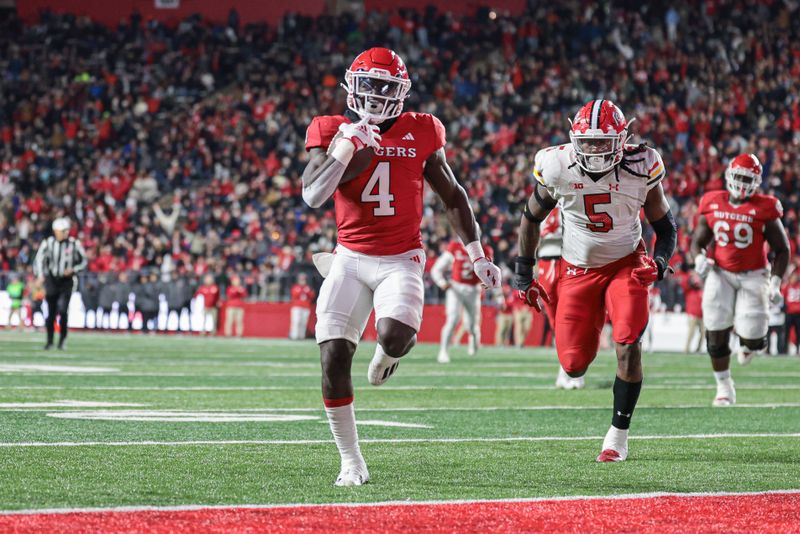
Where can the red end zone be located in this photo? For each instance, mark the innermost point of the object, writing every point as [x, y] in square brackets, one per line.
[770, 512]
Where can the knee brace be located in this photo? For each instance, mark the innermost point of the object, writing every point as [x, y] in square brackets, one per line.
[755, 344]
[717, 349]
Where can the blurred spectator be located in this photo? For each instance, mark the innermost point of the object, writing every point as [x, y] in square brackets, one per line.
[234, 311]
[523, 317]
[90, 296]
[302, 297]
[792, 298]
[146, 300]
[210, 293]
[693, 297]
[16, 292]
[504, 318]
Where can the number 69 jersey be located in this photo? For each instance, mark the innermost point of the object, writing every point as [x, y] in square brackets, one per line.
[379, 213]
[600, 217]
[739, 229]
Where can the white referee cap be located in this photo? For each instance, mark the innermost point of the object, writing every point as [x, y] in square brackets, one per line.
[62, 223]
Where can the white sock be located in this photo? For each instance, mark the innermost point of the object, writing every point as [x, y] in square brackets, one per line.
[342, 420]
[616, 438]
[722, 375]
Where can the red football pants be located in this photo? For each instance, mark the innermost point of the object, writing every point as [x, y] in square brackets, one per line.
[583, 297]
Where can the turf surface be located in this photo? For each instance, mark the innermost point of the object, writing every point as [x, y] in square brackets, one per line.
[484, 427]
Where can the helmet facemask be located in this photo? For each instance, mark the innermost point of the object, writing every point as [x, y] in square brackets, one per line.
[597, 151]
[376, 94]
[741, 183]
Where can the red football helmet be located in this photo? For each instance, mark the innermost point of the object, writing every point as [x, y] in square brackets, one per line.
[743, 176]
[598, 133]
[377, 83]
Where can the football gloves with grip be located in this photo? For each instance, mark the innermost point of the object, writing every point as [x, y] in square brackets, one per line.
[529, 290]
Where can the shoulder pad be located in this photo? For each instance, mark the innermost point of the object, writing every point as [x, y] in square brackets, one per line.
[547, 166]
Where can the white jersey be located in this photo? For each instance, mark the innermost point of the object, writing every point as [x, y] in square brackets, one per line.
[600, 218]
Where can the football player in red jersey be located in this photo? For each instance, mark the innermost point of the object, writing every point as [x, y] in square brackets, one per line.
[600, 183]
[462, 296]
[378, 262]
[738, 286]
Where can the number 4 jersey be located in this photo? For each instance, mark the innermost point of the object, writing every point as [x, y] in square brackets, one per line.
[739, 229]
[380, 212]
[600, 218]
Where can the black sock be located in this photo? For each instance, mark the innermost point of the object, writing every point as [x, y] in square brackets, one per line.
[625, 396]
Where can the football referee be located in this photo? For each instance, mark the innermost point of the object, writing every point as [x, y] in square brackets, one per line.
[58, 259]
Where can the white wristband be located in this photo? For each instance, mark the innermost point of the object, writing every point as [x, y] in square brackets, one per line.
[475, 251]
[343, 151]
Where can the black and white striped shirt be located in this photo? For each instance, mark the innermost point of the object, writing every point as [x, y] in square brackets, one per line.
[55, 257]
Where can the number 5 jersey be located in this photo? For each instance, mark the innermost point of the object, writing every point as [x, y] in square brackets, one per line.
[379, 213]
[600, 217]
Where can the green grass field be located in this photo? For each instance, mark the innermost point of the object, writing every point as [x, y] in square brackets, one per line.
[241, 422]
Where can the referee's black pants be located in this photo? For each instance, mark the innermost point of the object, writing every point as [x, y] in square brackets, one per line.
[58, 291]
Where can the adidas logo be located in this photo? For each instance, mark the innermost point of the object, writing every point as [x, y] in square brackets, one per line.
[752, 212]
[415, 259]
[408, 137]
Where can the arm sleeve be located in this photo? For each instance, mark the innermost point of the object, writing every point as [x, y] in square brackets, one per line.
[80, 256]
[38, 262]
[443, 262]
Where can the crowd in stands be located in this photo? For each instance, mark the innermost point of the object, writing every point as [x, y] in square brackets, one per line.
[179, 148]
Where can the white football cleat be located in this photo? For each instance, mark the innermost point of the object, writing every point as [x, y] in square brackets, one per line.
[353, 475]
[443, 357]
[381, 368]
[472, 346]
[564, 381]
[615, 446]
[745, 356]
[726, 394]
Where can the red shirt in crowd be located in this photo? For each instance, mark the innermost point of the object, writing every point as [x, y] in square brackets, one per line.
[792, 298]
[210, 295]
[302, 296]
[236, 295]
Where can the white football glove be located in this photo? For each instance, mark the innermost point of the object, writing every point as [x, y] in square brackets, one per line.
[487, 272]
[775, 295]
[702, 265]
[362, 134]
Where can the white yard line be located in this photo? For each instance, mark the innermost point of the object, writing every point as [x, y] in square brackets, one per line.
[24, 444]
[38, 407]
[197, 507]
[475, 387]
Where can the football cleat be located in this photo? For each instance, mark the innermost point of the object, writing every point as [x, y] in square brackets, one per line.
[615, 446]
[564, 381]
[352, 475]
[381, 368]
[726, 394]
[610, 455]
[744, 356]
[443, 357]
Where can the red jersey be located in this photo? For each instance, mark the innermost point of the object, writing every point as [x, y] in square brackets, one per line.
[692, 293]
[463, 270]
[739, 229]
[210, 295]
[380, 212]
[302, 295]
[792, 298]
[236, 295]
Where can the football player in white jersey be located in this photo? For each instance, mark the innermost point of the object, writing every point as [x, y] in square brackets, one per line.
[600, 183]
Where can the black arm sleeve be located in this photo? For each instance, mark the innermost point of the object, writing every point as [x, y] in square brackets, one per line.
[666, 238]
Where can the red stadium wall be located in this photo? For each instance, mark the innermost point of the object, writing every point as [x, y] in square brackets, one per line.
[110, 12]
[265, 319]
